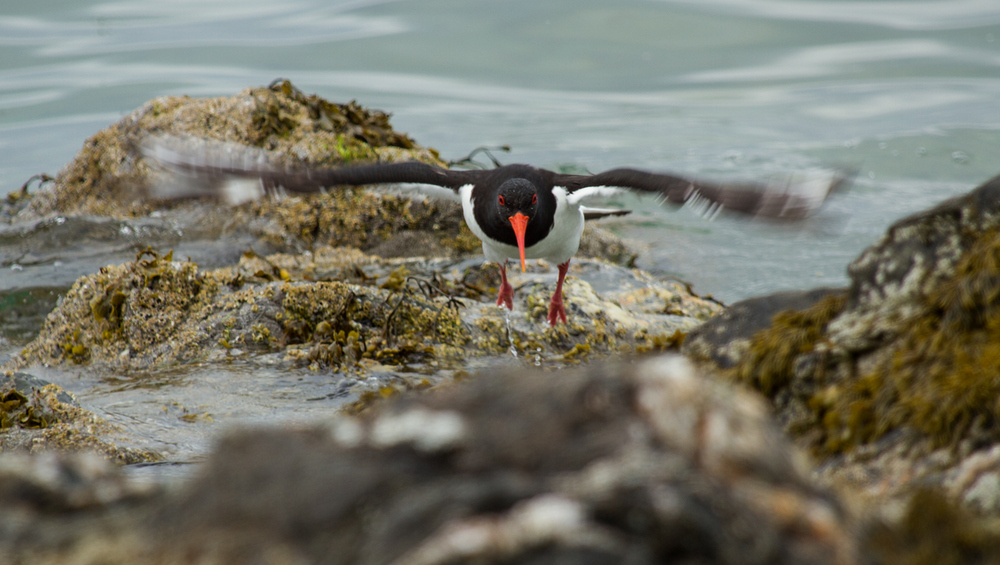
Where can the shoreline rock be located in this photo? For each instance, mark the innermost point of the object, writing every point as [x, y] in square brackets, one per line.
[893, 383]
[881, 382]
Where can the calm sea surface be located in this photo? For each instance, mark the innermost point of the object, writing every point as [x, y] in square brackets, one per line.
[906, 92]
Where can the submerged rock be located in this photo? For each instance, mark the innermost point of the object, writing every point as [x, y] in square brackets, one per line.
[608, 464]
[40, 417]
[895, 381]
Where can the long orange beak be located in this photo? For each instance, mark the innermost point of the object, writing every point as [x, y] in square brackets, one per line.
[520, 223]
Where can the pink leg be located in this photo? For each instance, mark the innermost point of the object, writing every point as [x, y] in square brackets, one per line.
[506, 294]
[556, 310]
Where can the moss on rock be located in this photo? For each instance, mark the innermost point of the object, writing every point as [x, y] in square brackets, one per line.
[768, 364]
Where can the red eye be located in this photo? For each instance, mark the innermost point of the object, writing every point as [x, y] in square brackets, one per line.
[501, 200]
[534, 199]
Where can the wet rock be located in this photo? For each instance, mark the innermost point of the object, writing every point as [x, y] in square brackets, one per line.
[608, 464]
[97, 210]
[286, 283]
[894, 383]
[39, 417]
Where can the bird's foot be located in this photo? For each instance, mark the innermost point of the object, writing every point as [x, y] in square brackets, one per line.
[556, 310]
[506, 295]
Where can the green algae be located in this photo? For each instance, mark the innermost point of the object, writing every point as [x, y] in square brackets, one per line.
[940, 376]
[349, 323]
[47, 423]
[659, 343]
[18, 410]
[122, 311]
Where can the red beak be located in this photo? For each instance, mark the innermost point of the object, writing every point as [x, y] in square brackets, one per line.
[520, 223]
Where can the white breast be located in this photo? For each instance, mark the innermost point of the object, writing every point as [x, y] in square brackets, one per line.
[558, 246]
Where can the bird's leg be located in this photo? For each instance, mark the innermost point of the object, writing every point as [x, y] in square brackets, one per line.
[556, 310]
[506, 295]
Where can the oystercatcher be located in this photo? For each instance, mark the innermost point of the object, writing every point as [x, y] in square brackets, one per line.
[518, 211]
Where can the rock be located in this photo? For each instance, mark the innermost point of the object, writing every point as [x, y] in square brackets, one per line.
[726, 338]
[97, 211]
[608, 464]
[38, 417]
[894, 383]
[156, 312]
[54, 483]
[289, 284]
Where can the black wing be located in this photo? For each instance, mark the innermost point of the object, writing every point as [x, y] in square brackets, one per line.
[791, 197]
[200, 167]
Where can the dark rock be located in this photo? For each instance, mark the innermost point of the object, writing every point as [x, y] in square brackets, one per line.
[725, 338]
[27, 384]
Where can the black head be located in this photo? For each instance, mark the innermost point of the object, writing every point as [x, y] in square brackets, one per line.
[513, 190]
[516, 195]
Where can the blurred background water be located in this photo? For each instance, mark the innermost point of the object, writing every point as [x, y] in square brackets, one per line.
[907, 92]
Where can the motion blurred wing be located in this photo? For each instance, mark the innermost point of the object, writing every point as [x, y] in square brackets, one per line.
[195, 167]
[789, 197]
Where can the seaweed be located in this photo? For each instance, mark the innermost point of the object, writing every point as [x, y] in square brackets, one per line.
[943, 375]
[20, 411]
[768, 364]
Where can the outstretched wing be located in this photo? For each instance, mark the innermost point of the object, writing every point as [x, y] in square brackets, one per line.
[198, 167]
[598, 213]
[791, 197]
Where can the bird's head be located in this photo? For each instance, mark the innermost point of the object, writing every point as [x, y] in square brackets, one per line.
[517, 200]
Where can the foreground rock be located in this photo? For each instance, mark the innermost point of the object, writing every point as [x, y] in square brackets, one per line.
[894, 381]
[607, 464]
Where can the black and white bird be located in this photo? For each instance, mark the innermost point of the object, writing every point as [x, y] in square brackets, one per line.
[518, 211]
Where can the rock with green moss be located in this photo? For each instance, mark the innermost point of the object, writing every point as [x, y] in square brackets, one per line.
[385, 292]
[340, 308]
[900, 374]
